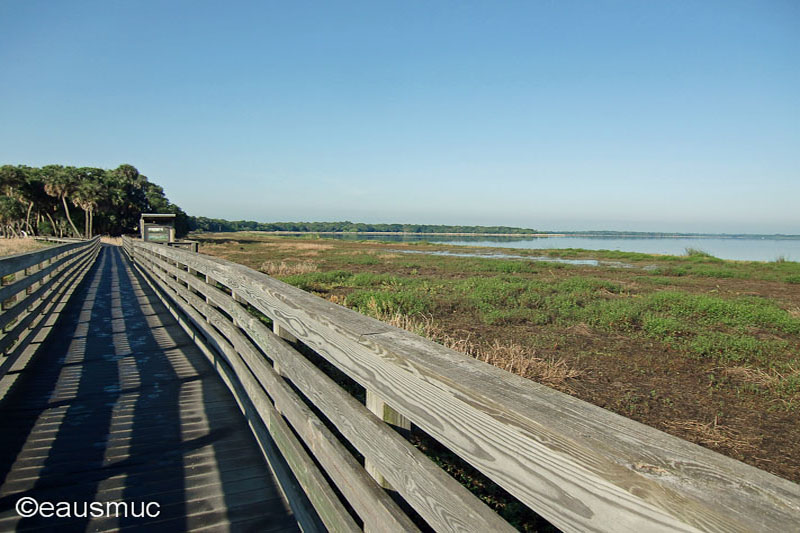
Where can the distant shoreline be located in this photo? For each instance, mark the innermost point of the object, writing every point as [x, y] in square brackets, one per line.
[609, 235]
[408, 233]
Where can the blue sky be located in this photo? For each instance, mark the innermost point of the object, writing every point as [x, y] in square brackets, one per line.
[673, 116]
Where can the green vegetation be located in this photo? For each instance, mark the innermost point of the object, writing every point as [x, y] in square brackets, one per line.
[509, 292]
[701, 325]
[37, 201]
[702, 254]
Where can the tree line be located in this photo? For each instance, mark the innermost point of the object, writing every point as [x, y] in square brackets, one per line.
[59, 200]
[221, 225]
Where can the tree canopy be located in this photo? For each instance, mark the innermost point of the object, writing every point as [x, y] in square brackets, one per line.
[59, 200]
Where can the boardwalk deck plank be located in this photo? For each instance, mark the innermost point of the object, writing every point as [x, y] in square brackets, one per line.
[120, 405]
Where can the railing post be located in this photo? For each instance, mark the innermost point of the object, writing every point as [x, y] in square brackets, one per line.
[383, 411]
[46, 278]
[283, 333]
[6, 304]
[240, 300]
[29, 272]
[209, 281]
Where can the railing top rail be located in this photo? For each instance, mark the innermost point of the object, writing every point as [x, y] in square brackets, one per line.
[14, 263]
[59, 239]
[580, 466]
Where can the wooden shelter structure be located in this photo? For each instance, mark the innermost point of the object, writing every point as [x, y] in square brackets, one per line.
[157, 227]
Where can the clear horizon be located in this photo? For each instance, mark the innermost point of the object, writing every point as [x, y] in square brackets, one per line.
[567, 116]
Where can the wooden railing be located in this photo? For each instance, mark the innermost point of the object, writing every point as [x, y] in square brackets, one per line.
[581, 467]
[34, 287]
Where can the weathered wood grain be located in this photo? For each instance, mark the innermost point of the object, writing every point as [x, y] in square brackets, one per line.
[384, 412]
[583, 468]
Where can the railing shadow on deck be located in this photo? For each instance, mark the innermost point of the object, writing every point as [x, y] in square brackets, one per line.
[580, 466]
[122, 413]
[208, 423]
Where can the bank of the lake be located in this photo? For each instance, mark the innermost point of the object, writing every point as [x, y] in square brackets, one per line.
[700, 347]
[738, 248]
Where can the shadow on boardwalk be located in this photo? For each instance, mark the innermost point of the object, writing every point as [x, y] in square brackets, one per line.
[120, 406]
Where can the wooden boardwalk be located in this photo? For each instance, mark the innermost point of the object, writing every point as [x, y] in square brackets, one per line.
[119, 405]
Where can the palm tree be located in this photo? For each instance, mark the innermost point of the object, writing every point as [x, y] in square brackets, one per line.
[127, 191]
[60, 182]
[88, 194]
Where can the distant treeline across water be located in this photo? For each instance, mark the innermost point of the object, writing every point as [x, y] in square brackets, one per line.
[725, 246]
[220, 225]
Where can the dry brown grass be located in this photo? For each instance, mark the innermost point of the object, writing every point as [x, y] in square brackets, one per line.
[509, 356]
[20, 246]
[756, 376]
[774, 379]
[293, 246]
[338, 299]
[715, 435]
[227, 249]
[273, 268]
[515, 358]
[211, 247]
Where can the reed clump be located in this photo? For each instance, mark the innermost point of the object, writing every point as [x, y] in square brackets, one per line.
[510, 356]
[283, 268]
[715, 435]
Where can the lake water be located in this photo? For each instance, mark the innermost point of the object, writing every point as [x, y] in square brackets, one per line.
[743, 249]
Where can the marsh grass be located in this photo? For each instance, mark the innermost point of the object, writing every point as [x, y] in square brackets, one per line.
[703, 326]
[698, 325]
[697, 253]
[723, 335]
[509, 299]
[283, 268]
[360, 259]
